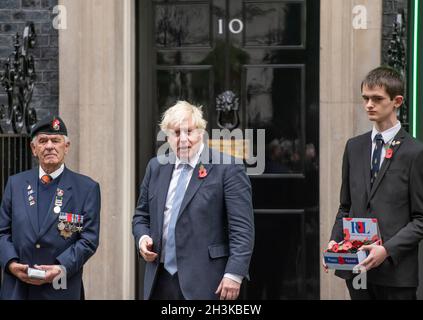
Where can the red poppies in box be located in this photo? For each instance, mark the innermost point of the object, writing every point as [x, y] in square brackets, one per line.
[353, 246]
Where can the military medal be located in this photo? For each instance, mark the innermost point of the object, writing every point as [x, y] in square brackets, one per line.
[69, 224]
[58, 202]
[61, 226]
[66, 234]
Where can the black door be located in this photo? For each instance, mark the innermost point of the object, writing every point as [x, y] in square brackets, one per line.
[267, 54]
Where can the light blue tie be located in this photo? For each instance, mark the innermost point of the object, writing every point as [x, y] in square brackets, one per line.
[170, 253]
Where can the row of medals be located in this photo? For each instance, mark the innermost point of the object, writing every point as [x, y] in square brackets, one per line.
[66, 228]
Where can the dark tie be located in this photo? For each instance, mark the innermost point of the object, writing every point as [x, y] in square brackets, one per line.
[46, 179]
[376, 157]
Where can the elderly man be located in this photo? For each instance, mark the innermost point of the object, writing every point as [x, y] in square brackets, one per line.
[49, 222]
[194, 221]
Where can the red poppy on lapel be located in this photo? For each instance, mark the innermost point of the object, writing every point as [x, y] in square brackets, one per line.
[202, 172]
[389, 153]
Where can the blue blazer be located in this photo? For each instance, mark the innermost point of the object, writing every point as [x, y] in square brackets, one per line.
[21, 237]
[214, 232]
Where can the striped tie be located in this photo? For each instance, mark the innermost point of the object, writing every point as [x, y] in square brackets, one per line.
[376, 158]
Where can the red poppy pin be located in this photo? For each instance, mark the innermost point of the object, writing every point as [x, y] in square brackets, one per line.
[202, 172]
[389, 153]
[56, 125]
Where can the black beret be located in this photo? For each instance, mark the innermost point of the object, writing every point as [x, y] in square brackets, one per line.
[49, 125]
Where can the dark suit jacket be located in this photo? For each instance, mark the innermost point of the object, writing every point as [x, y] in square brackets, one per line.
[215, 229]
[396, 200]
[20, 234]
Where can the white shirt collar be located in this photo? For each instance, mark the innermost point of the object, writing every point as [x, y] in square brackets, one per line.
[387, 135]
[193, 162]
[55, 174]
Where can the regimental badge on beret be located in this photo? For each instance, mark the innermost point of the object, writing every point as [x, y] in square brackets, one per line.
[50, 125]
[56, 125]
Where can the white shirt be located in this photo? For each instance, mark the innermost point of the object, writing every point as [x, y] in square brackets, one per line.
[169, 201]
[388, 136]
[53, 175]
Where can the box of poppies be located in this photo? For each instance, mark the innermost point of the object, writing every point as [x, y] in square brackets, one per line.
[358, 232]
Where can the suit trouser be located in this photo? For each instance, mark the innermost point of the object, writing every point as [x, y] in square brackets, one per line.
[376, 292]
[166, 286]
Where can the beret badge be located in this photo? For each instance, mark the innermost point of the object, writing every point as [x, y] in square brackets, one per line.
[56, 125]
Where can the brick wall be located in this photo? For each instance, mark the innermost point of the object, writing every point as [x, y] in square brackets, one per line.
[13, 16]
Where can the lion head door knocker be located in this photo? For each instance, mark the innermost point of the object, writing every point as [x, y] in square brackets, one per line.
[227, 107]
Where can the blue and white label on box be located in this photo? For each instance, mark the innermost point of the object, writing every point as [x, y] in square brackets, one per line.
[344, 261]
[360, 229]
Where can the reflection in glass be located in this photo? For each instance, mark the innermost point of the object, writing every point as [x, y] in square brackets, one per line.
[259, 105]
[182, 84]
[272, 24]
[274, 103]
[182, 25]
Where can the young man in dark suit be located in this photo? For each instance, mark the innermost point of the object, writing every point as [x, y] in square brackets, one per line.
[382, 177]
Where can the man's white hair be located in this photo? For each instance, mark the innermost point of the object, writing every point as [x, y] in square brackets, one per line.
[179, 112]
[35, 139]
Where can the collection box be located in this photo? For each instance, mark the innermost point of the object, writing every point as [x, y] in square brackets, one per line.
[357, 233]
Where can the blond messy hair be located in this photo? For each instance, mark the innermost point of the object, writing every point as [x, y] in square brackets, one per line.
[177, 113]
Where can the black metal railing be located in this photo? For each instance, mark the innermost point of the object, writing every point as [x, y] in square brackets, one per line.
[15, 157]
